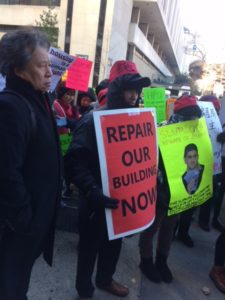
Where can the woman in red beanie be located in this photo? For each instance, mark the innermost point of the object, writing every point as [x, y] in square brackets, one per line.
[185, 108]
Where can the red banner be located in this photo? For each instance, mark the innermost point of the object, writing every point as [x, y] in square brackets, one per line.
[79, 74]
[128, 159]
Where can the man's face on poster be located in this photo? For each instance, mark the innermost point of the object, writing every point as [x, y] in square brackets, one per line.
[191, 159]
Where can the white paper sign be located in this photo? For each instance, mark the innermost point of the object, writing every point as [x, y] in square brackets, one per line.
[222, 121]
[214, 128]
[60, 62]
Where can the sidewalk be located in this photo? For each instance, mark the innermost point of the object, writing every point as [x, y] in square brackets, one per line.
[58, 282]
[190, 268]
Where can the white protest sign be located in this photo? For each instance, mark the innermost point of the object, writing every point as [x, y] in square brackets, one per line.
[222, 120]
[214, 128]
[60, 62]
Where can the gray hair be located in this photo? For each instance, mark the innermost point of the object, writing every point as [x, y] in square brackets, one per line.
[17, 47]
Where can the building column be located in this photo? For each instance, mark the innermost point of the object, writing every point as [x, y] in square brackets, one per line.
[135, 16]
[144, 28]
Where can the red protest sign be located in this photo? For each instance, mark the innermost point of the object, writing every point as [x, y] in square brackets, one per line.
[128, 160]
[79, 74]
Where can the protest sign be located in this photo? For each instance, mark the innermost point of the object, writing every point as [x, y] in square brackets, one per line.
[222, 121]
[155, 97]
[65, 140]
[222, 113]
[169, 107]
[188, 159]
[214, 128]
[79, 74]
[127, 147]
[60, 62]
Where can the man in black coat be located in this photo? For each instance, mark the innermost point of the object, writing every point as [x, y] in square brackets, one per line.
[82, 168]
[30, 164]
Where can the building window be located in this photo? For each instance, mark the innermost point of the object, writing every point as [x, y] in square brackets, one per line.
[31, 2]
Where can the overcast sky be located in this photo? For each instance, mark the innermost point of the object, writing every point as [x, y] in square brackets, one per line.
[207, 17]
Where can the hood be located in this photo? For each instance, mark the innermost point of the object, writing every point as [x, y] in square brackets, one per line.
[117, 86]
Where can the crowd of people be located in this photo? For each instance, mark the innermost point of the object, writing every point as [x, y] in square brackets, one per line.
[32, 171]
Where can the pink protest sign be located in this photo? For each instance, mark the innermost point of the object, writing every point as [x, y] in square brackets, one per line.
[78, 74]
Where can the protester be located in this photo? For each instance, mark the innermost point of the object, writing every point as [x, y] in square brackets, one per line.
[30, 165]
[85, 100]
[205, 208]
[65, 111]
[185, 108]
[217, 225]
[217, 273]
[221, 191]
[101, 92]
[212, 99]
[188, 110]
[67, 116]
[82, 165]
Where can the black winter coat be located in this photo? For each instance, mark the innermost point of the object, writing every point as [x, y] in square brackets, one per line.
[30, 164]
[82, 161]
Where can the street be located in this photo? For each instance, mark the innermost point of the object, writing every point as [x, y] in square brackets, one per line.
[190, 268]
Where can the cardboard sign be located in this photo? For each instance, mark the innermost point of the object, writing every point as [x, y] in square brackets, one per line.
[79, 74]
[214, 128]
[155, 97]
[127, 147]
[60, 62]
[188, 159]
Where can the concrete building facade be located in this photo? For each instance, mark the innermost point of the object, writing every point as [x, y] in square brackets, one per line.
[149, 32]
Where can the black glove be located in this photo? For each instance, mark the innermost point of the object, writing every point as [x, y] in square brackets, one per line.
[98, 200]
[221, 137]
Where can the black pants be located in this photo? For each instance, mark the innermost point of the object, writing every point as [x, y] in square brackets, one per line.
[162, 224]
[215, 201]
[94, 244]
[17, 255]
[219, 259]
[185, 221]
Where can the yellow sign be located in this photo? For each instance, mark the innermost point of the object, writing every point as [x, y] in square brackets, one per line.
[188, 159]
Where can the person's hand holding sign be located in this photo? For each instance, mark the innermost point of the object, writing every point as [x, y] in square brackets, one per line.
[99, 200]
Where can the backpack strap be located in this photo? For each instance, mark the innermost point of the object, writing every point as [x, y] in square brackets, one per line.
[30, 108]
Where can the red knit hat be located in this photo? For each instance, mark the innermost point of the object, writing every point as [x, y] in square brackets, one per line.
[122, 67]
[125, 67]
[184, 101]
[187, 106]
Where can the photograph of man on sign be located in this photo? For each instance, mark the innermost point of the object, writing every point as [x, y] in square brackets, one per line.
[193, 175]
